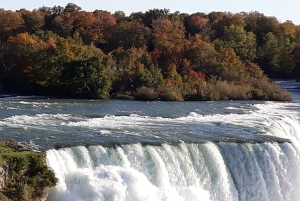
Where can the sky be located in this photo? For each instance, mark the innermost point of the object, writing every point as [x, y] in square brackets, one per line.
[282, 10]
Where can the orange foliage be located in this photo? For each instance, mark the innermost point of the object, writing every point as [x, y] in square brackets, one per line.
[167, 34]
[51, 42]
[196, 75]
[289, 29]
[155, 55]
[104, 18]
[197, 21]
[83, 20]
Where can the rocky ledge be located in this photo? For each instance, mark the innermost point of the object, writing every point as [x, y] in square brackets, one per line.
[24, 175]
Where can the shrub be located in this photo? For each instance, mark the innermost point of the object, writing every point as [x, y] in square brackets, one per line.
[123, 95]
[258, 94]
[170, 93]
[232, 91]
[263, 89]
[210, 93]
[145, 94]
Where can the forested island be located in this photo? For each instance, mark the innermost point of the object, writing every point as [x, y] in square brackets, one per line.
[156, 55]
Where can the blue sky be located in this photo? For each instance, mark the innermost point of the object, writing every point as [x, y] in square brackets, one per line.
[282, 10]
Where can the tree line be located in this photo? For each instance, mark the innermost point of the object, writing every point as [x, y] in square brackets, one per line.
[68, 52]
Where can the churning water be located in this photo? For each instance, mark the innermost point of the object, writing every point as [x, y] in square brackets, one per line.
[112, 150]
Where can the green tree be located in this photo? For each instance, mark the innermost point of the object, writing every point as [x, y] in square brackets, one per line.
[63, 24]
[275, 56]
[71, 8]
[154, 14]
[243, 43]
[86, 79]
[220, 20]
[296, 57]
[260, 25]
[142, 77]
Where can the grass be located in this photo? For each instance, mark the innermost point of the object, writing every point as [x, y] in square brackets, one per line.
[28, 174]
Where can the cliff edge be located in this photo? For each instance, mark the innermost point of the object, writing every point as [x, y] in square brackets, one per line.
[24, 175]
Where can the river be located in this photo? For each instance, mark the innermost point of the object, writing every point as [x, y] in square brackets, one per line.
[117, 150]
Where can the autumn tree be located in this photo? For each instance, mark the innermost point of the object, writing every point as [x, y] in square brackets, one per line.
[142, 77]
[199, 24]
[104, 18]
[202, 56]
[19, 60]
[9, 22]
[229, 61]
[169, 55]
[83, 24]
[167, 33]
[169, 39]
[33, 21]
[288, 28]
[126, 34]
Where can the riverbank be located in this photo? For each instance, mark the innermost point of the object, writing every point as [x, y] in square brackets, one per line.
[24, 174]
[211, 90]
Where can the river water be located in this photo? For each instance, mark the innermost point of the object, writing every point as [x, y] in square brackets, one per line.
[116, 150]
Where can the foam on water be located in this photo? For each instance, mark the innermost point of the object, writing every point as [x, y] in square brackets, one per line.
[35, 103]
[251, 123]
[225, 171]
[258, 113]
[38, 119]
[118, 180]
[11, 97]
[184, 171]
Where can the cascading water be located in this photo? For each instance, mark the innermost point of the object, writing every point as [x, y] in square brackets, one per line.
[113, 150]
[264, 171]
[209, 171]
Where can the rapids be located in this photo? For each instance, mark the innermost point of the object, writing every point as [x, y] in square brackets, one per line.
[115, 150]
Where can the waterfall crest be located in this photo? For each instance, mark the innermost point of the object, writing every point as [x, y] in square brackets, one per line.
[209, 171]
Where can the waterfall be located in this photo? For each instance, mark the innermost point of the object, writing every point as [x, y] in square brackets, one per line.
[208, 171]
[266, 169]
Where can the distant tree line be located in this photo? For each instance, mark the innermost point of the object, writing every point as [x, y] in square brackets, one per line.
[67, 52]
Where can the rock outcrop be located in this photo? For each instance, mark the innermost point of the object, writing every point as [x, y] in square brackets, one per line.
[24, 175]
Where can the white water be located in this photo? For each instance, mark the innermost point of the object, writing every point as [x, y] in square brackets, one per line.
[185, 171]
[227, 171]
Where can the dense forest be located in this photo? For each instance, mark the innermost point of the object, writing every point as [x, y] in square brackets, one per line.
[155, 55]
